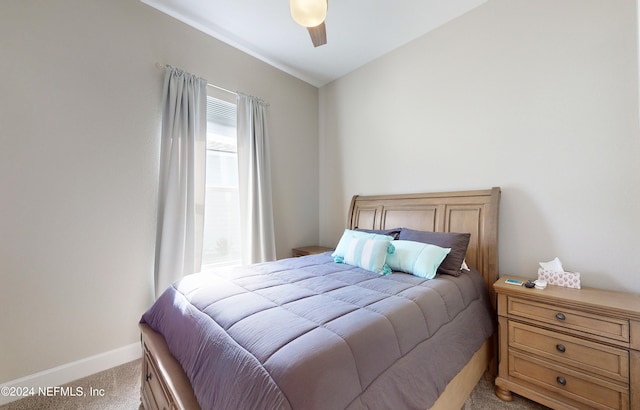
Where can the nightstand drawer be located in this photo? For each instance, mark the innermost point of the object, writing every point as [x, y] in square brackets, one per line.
[579, 387]
[570, 320]
[596, 358]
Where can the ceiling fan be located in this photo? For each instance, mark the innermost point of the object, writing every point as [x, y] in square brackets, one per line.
[311, 14]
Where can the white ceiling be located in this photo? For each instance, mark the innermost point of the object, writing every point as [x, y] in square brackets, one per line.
[358, 31]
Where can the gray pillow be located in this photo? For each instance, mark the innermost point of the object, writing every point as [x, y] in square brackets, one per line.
[395, 232]
[458, 242]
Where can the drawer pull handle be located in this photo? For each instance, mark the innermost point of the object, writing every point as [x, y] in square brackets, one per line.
[561, 348]
[560, 316]
[561, 380]
[148, 377]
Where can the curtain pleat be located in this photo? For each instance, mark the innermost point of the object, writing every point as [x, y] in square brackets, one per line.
[182, 178]
[254, 174]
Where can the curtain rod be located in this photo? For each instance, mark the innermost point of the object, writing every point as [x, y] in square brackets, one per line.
[160, 66]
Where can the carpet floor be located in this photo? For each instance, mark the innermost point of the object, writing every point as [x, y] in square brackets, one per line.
[119, 389]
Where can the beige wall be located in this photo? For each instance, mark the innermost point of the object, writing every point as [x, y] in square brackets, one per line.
[79, 123]
[537, 97]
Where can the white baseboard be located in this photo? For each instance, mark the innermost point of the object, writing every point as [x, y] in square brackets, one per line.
[72, 371]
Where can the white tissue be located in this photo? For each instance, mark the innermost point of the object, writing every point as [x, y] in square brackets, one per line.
[552, 266]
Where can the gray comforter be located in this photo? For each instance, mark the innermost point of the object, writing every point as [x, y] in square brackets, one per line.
[308, 333]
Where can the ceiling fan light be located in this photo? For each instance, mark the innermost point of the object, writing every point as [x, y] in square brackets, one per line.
[308, 13]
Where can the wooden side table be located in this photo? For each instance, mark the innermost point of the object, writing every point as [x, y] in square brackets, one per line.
[569, 348]
[309, 250]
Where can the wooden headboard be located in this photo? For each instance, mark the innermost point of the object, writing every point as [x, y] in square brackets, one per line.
[475, 212]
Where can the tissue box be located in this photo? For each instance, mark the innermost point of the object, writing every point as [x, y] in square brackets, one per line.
[564, 279]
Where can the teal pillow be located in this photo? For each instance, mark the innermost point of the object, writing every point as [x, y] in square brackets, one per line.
[417, 258]
[369, 254]
[348, 234]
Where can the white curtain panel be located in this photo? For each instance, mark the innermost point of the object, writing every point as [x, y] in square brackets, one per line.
[182, 178]
[254, 174]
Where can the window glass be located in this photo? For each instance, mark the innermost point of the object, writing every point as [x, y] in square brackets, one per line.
[221, 242]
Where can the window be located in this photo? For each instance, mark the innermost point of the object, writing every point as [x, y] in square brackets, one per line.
[221, 242]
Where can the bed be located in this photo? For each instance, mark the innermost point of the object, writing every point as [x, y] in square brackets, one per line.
[312, 333]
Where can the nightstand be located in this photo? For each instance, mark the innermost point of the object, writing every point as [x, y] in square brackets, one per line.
[569, 348]
[309, 250]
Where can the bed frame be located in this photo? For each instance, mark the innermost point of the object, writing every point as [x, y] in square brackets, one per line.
[165, 385]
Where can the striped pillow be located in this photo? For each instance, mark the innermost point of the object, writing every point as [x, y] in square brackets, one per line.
[349, 234]
[369, 254]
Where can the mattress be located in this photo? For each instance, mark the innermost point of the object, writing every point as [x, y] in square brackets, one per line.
[309, 333]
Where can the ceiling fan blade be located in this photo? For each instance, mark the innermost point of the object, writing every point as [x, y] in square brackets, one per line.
[318, 34]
